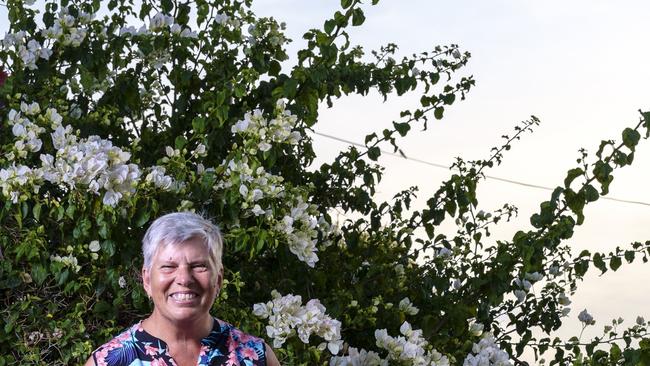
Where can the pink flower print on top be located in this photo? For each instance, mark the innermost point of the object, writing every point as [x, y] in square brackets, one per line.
[151, 351]
[232, 344]
[241, 336]
[232, 359]
[158, 362]
[249, 353]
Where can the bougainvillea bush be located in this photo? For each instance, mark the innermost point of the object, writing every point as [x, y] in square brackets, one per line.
[112, 114]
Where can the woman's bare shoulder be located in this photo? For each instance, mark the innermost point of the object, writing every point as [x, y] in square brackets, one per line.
[90, 362]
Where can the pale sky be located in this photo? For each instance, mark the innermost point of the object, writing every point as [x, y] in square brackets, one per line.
[580, 66]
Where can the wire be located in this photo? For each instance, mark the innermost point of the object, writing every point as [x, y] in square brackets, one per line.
[442, 166]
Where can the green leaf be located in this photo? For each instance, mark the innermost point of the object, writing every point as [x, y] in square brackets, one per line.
[571, 175]
[615, 263]
[631, 138]
[591, 193]
[36, 211]
[449, 99]
[167, 5]
[329, 26]
[143, 218]
[39, 273]
[599, 263]
[144, 10]
[346, 3]
[274, 68]
[290, 87]
[358, 17]
[180, 142]
[438, 112]
[374, 153]
[581, 268]
[198, 125]
[402, 128]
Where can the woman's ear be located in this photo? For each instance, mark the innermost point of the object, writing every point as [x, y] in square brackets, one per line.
[219, 279]
[146, 280]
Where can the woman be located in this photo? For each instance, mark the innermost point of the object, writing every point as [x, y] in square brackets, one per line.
[182, 274]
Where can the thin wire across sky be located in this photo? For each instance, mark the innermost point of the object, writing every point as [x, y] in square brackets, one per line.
[442, 166]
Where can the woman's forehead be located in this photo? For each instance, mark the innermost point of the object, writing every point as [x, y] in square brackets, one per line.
[194, 249]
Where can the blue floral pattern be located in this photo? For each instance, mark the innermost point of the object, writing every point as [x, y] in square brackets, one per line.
[224, 346]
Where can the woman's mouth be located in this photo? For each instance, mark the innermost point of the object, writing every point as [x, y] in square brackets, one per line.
[183, 296]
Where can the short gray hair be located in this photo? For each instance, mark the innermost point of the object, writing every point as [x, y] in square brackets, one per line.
[178, 227]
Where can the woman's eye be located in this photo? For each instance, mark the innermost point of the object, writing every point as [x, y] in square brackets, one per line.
[200, 267]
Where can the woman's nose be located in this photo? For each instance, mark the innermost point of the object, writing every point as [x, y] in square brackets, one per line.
[184, 276]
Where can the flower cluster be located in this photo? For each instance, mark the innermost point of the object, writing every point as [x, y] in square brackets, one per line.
[586, 318]
[26, 132]
[288, 316]
[68, 261]
[158, 23]
[91, 162]
[257, 129]
[29, 51]
[487, 353]
[300, 228]
[67, 29]
[253, 184]
[302, 222]
[158, 178]
[524, 285]
[410, 348]
[13, 178]
[357, 357]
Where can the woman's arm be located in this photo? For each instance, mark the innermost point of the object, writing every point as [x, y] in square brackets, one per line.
[271, 359]
[90, 362]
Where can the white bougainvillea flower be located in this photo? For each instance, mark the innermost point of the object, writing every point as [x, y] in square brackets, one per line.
[407, 307]
[288, 317]
[586, 318]
[520, 295]
[562, 299]
[160, 21]
[357, 357]
[221, 18]
[410, 348]
[94, 246]
[487, 353]
[533, 277]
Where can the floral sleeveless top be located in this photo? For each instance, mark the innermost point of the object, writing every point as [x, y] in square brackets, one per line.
[224, 346]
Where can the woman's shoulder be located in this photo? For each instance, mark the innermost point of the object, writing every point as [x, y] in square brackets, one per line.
[121, 349]
[247, 348]
[226, 328]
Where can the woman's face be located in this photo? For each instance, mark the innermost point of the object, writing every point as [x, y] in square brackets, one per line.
[182, 282]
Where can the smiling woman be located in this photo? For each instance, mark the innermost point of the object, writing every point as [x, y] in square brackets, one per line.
[182, 274]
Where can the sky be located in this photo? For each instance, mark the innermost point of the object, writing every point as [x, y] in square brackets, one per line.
[580, 66]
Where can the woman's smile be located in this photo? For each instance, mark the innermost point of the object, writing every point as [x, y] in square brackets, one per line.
[184, 297]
